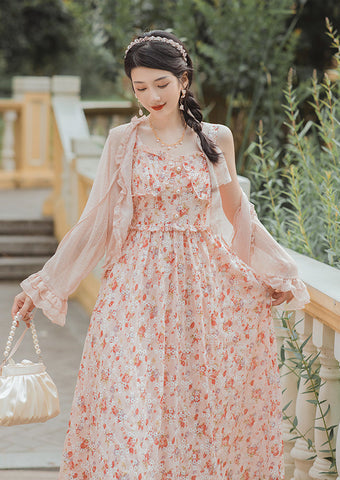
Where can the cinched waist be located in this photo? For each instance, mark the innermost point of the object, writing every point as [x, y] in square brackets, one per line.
[169, 226]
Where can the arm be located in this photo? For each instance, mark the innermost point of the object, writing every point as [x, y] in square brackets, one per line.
[252, 242]
[80, 249]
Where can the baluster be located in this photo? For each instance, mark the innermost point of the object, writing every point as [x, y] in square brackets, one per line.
[289, 392]
[305, 411]
[8, 152]
[324, 340]
[337, 356]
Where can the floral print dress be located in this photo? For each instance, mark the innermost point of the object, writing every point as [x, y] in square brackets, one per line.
[179, 376]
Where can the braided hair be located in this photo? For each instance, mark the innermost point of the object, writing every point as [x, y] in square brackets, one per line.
[164, 56]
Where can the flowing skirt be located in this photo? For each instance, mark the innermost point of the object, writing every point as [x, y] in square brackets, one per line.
[179, 376]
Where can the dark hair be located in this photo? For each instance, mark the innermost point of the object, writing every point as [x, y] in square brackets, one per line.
[164, 56]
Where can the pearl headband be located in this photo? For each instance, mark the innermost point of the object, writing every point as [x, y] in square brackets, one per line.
[160, 39]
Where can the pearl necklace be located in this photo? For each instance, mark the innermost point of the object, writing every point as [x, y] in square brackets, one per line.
[171, 145]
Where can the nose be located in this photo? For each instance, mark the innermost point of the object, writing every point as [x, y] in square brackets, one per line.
[154, 96]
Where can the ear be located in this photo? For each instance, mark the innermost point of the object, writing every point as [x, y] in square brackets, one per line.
[185, 80]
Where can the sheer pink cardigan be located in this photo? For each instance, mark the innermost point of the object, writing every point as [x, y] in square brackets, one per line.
[104, 223]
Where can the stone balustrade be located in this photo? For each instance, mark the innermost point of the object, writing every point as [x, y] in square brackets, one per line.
[103, 115]
[317, 329]
[25, 142]
[31, 122]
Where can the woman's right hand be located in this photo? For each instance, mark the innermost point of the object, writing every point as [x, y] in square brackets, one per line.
[22, 307]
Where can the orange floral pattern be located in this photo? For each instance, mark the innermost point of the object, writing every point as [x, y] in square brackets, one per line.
[179, 376]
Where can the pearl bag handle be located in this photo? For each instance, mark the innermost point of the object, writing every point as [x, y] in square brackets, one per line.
[7, 354]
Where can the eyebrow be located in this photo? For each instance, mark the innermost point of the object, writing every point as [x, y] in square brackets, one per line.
[157, 79]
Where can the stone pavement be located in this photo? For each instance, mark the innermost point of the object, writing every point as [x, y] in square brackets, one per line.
[37, 448]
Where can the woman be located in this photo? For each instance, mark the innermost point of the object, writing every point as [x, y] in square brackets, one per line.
[179, 375]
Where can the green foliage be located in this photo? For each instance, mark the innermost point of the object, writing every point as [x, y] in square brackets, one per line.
[35, 37]
[52, 37]
[297, 188]
[241, 49]
[306, 367]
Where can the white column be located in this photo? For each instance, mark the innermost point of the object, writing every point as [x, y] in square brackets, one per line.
[305, 411]
[324, 339]
[289, 390]
[337, 356]
[8, 141]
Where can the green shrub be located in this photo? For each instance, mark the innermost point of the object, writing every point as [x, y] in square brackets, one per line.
[296, 189]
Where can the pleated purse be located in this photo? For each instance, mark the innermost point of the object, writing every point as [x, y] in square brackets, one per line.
[27, 392]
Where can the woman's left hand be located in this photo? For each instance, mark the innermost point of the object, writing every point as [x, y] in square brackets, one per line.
[279, 297]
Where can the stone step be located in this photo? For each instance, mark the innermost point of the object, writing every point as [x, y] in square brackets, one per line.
[42, 226]
[27, 245]
[18, 268]
[28, 475]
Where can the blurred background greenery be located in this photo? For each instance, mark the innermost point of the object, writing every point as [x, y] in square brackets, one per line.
[242, 51]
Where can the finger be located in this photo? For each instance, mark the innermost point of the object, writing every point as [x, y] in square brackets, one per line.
[280, 298]
[17, 304]
[25, 308]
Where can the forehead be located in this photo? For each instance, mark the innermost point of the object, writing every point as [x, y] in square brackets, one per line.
[148, 75]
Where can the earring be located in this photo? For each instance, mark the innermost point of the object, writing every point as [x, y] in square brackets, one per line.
[181, 106]
[140, 111]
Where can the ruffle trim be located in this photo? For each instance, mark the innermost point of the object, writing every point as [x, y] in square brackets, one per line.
[169, 227]
[52, 306]
[124, 183]
[295, 285]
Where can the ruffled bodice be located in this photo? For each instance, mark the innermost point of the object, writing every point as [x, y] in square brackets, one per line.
[170, 192]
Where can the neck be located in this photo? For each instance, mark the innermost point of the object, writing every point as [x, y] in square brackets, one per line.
[169, 122]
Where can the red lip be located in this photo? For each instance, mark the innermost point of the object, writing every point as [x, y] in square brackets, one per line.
[158, 107]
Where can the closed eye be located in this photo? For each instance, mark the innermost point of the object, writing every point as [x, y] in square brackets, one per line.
[159, 86]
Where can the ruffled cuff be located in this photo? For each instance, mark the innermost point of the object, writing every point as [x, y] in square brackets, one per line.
[53, 307]
[295, 285]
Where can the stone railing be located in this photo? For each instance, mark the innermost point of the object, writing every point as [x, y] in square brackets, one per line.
[319, 327]
[26, 127]
[103, 115]
[25, 148]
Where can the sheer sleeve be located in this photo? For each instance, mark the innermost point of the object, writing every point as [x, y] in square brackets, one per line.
[256, 247]
[82, 247]
[222, 175]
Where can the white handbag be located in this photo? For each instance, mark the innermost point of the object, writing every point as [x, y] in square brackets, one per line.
[27, 392]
